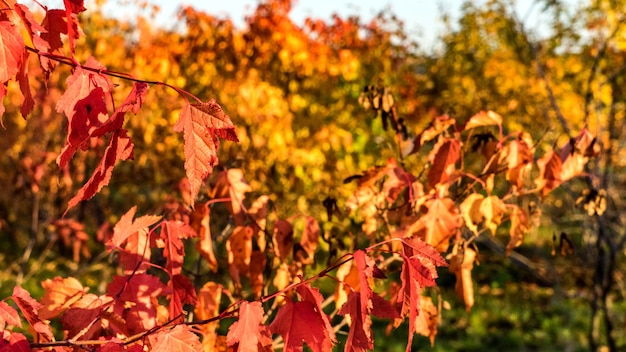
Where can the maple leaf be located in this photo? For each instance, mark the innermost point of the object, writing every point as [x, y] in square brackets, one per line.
[308, 241]
[519, 226]
[81, 319]
[183, 292]
[133, 102]
[3, 93]
[443, 163]
[301, 322]
[22, 77]
[136, 291]
[208, 306]
[15, 342]
[437, 127]
[549, 172]
[83, 103]
[283, 238]
[492, 209]
[427, 320]
[29, 307]
[127, 227]
[8, 316]
[55, 24]
[576, 153]
[232, 184]
[438, 225]
[360, 335]
[11, 50]
[519, 157]
[484, 118]
[239, 247]
[59, 295]
[461, 265]
[178, 339]
[200, 222]
[470, 210]
[248, 331]
[418, 271]
[120, 148]
[361, 303]
[172, 233]
[33, 28]
[202, 126]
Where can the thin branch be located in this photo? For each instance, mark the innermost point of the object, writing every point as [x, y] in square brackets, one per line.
[73, 63]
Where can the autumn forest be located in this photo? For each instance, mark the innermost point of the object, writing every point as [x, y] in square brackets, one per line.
[327, 185]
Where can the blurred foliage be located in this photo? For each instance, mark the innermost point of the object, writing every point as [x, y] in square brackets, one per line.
[292, 89]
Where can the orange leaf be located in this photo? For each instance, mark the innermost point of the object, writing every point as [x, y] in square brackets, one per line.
[519, 226]
[59, 295]
[178, 339]
[438, 225]
[549, 172]
[200, 222]
[232, 184]
[426, 322]
[248, 331]
[444, 161]
[208, 306]
[239, 247]
[283, 239]
[202, 126]
[461, 265]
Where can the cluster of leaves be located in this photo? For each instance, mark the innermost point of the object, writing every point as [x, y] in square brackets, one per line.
[409, 220]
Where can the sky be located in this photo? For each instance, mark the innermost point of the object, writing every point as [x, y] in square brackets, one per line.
[422, 18]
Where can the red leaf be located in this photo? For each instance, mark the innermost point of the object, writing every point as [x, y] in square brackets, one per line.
[80, 321]
[247, 332]
[174, 250]
[55, 24]
[133, 102]
[418, 270]
[75, 6]
[120, 148]
[8, 316]
[178, 339]
[202, 126]
[15, 343]
[183, 292]
[29, 308]
[299, 322]
[22, 78]
[11, 50]
[443, 163]
[137, 292]
[362, 303]
[83, 103]
[33, 28]
[3, 93]
[360, 336]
